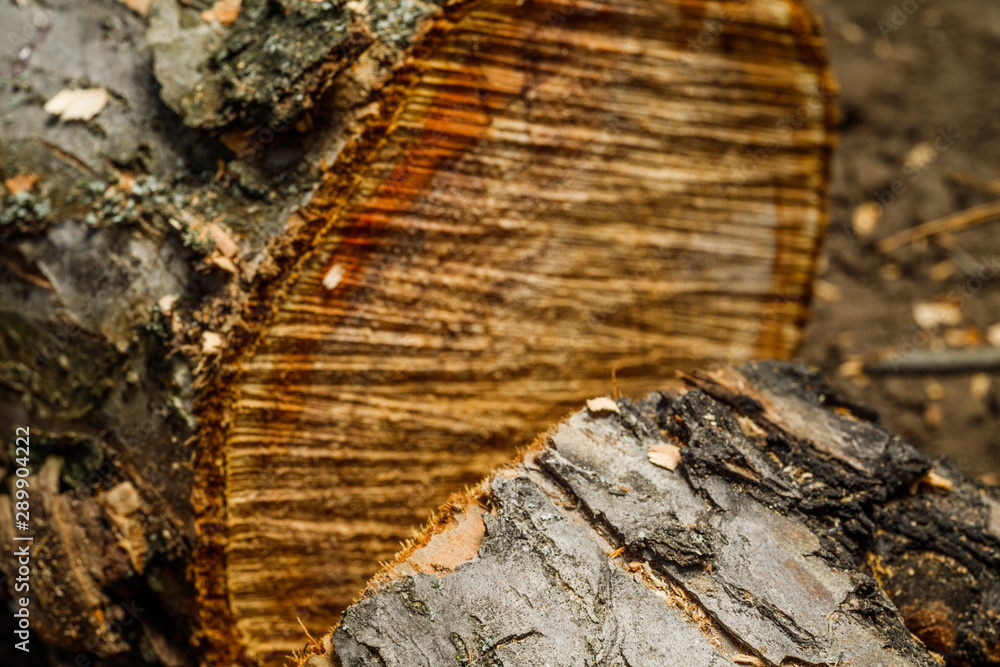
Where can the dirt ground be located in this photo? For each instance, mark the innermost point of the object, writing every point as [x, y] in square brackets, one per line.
[920, 107]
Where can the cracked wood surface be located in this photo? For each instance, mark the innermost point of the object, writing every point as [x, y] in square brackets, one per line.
[546, 191]
[763, 547]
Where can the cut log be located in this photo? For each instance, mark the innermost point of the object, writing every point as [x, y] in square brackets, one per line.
[383, 242]
[548, 192]
[791, 530]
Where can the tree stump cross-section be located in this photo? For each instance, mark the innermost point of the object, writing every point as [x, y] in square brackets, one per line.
[544, 193]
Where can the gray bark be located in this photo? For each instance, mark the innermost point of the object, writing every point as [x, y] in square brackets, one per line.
[794, 531]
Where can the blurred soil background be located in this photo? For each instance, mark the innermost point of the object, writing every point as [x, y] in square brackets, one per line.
[920, 104]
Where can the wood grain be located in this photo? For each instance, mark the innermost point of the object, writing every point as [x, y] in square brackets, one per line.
[548, 191]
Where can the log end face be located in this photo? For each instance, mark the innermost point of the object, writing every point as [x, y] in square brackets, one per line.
[603, 226]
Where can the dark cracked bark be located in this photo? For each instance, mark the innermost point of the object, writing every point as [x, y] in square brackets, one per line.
[757, 519]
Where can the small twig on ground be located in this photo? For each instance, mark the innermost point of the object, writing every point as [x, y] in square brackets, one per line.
[969, 360]
[949, 223]
[973, 181]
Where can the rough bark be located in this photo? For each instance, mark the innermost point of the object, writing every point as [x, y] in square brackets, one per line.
[756, 519]
[506, 202]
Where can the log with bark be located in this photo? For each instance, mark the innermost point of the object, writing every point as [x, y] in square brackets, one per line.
[756, 519]
[304, 275]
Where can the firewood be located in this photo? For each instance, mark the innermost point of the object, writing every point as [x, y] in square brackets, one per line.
[547, 192]
[794, 532]
[493, 211]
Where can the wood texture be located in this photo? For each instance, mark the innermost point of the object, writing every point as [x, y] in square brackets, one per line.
[546, 192]
[793, 531]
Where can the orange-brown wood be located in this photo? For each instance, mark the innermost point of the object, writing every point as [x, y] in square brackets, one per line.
[548, 192]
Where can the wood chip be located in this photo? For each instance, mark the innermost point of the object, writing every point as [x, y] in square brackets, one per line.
[828, 292]
[166, 303]
[931, 315]
[665, 456]
[223, 263]
[20, 183]
[211, 342]
[223, 11]
[942, 271]
[934, 481]
[964, 337]
[993, 335]
[334, 276]
[140, 7]
[80, 104]
[459, 544]
[223, 241]
[865, 218]
[852, 367]
[122, 499]
[890, 272]
[603, 405]
[920, 157]
[853, 33]
[979, 386]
